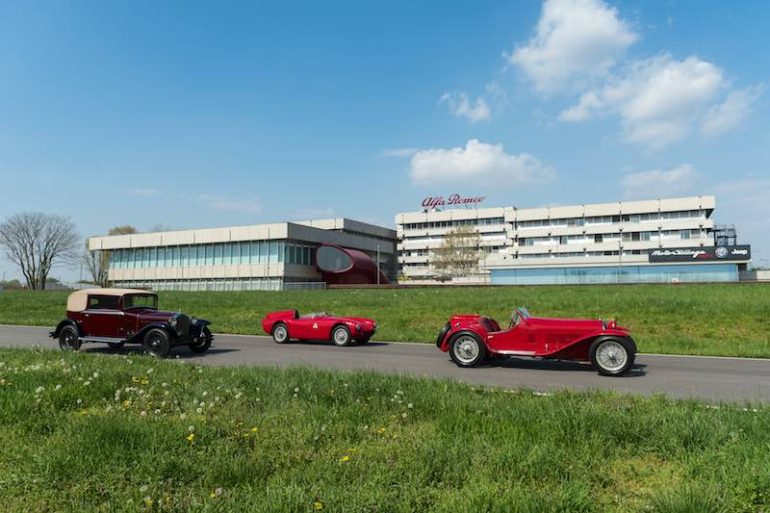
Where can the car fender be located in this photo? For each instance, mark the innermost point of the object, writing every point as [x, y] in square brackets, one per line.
[139, 335]
[584, 342]
[62, 324]
[480, 333]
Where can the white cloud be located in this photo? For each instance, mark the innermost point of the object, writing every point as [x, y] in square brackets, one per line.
[479, 162]
[729, 114]
[574, 40]
[249, 206]
[399, 152]
[658, 99]
[145, 193]
[462, 107]
[658, 183]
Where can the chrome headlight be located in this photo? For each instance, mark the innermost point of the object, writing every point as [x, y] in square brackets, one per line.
[173, 321]
[193, 320]
[358, 327]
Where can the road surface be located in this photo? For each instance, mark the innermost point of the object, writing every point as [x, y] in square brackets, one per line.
[710, 378]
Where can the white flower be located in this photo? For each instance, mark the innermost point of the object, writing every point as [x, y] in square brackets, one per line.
[202, 404]
[410, 405]
[39, 390]
[143, 413]
[190, 428]
[86, 383]
[205, 393]
[403, 415]
[238, 395]
[164, 384]
[149, 371]
[157, 411]
[96, 375]
[79, 401]
[296, 390]
[143, 488]
[199, 410]
[183, 416]
[58, 387]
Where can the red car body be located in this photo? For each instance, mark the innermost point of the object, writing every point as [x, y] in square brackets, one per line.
[606, 345]
[286, 325]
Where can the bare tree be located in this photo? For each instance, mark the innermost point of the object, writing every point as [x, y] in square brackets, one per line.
[37, 242]
[459, 253]
[98, 262]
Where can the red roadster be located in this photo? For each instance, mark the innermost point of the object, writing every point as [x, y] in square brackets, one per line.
[471, 338]
[289, 324]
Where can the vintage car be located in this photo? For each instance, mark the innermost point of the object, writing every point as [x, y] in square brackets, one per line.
[286, 325]
[469, 339]
[120, 316]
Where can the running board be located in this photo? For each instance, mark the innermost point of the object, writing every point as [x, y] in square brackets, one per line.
[102, 339]
[516, 353]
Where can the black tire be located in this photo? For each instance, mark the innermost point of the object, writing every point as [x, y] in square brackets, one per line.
[69, 339]
[116, 345]
[280, 333]
[341, 336]
[466, 349]
[205, 342]
[612, 356]
[157, 343]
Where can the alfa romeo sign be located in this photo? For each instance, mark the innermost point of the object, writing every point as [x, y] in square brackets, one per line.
[705, 254]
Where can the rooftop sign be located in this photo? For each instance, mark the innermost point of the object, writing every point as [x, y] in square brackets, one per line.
[706, 254]
[434, 202]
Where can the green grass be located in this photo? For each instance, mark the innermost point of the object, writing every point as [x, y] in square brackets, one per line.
[712, 319]
[105, 433]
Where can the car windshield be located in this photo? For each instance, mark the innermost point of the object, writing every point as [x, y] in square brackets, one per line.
[140, 301]
[313, 315]
[523, 312]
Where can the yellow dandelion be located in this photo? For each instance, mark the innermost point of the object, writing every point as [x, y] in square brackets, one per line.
[191, 437]
[345, 459]
[381, 430]
[254, 430]
[318, 505]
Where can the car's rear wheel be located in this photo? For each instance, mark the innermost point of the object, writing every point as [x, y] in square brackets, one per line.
[341, 336]
[280, 333]
[69, 340]
[466, 349]
[612, 356]
[157, 343]
[116, 345]
[204, 342]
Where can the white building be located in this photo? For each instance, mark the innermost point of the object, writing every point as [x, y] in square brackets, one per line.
[262, 256]
[660, 240]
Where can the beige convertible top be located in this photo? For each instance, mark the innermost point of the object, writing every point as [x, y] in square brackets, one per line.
[78, 300]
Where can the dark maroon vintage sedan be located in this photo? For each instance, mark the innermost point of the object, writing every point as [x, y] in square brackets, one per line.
[469, 339]
[119, 316]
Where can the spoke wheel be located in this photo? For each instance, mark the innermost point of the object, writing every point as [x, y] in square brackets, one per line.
[204, 342]
[280, 333]
[69, 340]
[467, 350]
[157, 343]
[341, 336]
[612, 356]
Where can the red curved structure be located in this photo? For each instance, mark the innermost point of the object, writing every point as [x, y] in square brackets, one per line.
[345, 266]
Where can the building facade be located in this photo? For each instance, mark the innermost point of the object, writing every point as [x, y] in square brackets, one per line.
[256, 257]
[661, 240]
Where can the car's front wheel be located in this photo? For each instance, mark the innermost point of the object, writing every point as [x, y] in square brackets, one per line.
[280, 333]
[467, 350]
[69, 340]
[612, 356]
[341, 336]
[204, 342]
[157, 343]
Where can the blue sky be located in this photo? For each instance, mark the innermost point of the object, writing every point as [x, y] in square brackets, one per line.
[190, 114]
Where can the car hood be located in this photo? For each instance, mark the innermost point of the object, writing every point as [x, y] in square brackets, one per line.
[358, 320]
[153, 315]
[571, 324]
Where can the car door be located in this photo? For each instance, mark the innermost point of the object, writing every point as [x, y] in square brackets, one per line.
[102, 317]
[518, 339]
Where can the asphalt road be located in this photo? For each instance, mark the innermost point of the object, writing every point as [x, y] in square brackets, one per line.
[710, 378]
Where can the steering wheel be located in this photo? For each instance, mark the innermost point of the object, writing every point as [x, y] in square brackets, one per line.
[514, 319]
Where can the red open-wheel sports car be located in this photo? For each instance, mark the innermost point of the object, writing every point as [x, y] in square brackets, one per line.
[342, 331]
[469, 339]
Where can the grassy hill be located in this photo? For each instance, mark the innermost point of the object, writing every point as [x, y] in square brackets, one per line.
[706, 319]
